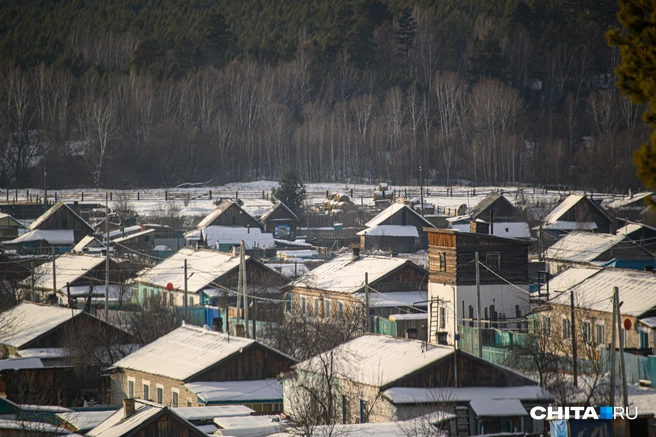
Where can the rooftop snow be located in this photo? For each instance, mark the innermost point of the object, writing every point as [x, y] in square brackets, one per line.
[119, 233]
[133, 235]
[46, 215]
[204, 266]
[57, 237]
[343, 275]
[569, 278]
[85, 420]
[237, 391]
[498, 407]
[390, 211]
[413, 316]
[39, 428]
[390, 231]
[569, 226]
[89, 239]
[395, 298]
[411, 395]
[252, 237]
[184, 352]
[21, 363]
[502, 229]
[379, 360]
[289, 270]
[582, 246]
[209, 412]
[636, 291]
[29, 321]
[629, 200]
[562, 208]
[238, 426]
[69, 267]
[274, 208]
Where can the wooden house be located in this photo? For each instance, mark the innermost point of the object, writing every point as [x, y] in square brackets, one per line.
[398, 229]
[229, 213]
[337, 288]
[642, 234]
[632, 206]
[580, 249]
[210, 276]
[9, 227]
[386, 379]
[503, 273]
[494, 208]
[577, 212]
[143, 240]
[63, 216]
[280, 221]
[161, 370]
[140, 418]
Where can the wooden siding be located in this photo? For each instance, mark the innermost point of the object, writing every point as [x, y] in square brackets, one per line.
[165, 424]
[237, 217]
[256, 362]
[585, 211]
[472, 372]
[64, 218]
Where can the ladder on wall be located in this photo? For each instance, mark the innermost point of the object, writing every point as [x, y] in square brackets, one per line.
[433, 319]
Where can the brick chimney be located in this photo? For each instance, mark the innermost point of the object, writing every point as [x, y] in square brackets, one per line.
[128, 407]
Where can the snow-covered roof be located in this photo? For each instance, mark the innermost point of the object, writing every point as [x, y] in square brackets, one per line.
[498, 407]
[289, 270]
[383, 429]
[89, 240]
[415, 395]
[58, 237]
[223, 206]
[43, 352]
[274, 208]
[84, 420]
[185, 352]
[390, 231]
[564, 225]
[204, 266]
[343, 275]
[69, 267]
[629, 200]
[413, 316]
[390, 211]
[395, 298]
[636, 291]
[569, 278]
[253, 237]
[119, 233]
[208, 412]
[378, 360]
[21, 363]
[566, 205]
[582, 246]
[249, 426]
[53, 209]
[28, 321]
[11, 219]
[502, 229]
[237, 391]
[27, 427]
[649, 321]
[133, 235]
[82, 291]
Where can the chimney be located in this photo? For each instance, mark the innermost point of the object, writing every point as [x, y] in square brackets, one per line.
[491, 222]
[355, 255]
[476, 227]
[128, 406]
[76, 207]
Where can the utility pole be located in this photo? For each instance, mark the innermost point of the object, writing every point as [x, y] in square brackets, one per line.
[573, 329]
[421, 190]
[625, 395]
[244, 286]
[254, 318]
[106, 259]
[239, 291]
[366, 301]
[32, 281]
[185, 291]
[455, 337]
[54, 273]
[612, 350]
[45, 188]
[478, 305]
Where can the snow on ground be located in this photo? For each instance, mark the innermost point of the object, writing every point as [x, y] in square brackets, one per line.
[196, 202]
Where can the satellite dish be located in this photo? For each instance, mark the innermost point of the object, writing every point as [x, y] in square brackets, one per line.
[462, 209]
[169, 287]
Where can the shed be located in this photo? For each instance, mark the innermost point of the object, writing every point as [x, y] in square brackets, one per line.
[9, 227]
[494, 207]
[578, 212]
[229, 213]
[398, 228]
[280, 221]
[60, 217]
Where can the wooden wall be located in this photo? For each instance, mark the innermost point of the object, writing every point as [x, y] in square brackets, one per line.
[235, 216]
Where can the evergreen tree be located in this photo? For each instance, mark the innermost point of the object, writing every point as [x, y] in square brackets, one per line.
[406, 28]
[291, 192]
[637, 73]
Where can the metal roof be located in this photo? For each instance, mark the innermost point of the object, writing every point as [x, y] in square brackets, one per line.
[390, 211]
[46, 215]
[582, 246]
[28, 321]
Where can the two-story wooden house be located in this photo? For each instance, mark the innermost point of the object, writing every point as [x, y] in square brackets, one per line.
[503, 279]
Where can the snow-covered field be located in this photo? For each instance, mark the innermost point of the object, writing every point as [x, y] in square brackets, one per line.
[196, 201]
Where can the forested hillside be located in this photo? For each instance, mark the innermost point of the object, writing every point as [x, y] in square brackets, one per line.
[151, 93]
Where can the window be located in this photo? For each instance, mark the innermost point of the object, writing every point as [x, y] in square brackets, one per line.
[442, 265]
[493, 261]
[345, 409]
[175, 394]
[288, 303]
[567, 329]
[131, 382]
[188, 402]
[340, 309]
[234, 220]
[326, 307]
[601, 333]
[546, 325]
[364, 414]
[303, 305]
[644, 339]
[160, 394]
[317, 307]
[442, 318]
[471, 315]
[146, 390]
[587, 332]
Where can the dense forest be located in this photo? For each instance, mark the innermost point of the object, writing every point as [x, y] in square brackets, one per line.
[160, 92]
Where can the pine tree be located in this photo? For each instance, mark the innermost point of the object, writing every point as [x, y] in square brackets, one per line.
[291, 192]
[637, 73]
[406, 28]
